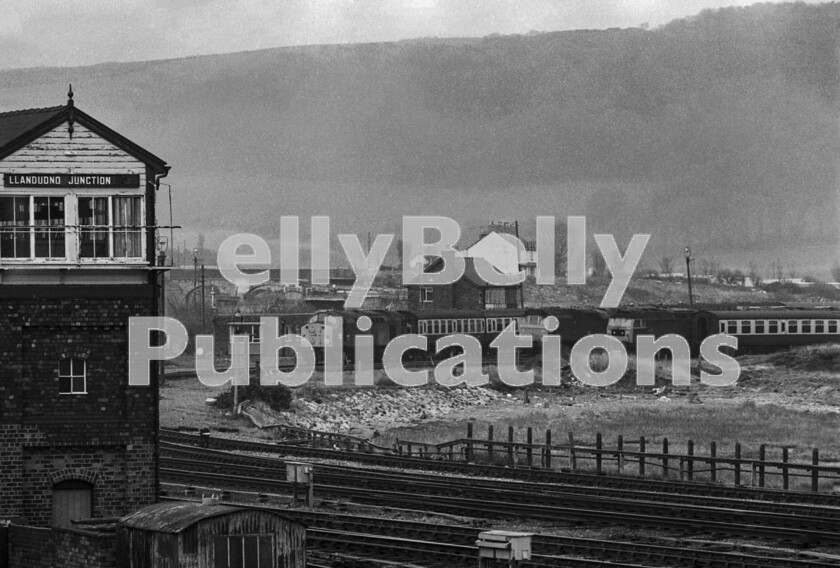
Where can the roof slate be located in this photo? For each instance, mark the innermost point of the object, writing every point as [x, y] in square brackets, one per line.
[19, 127]
[17, 123]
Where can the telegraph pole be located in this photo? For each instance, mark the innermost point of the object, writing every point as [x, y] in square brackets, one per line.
[688, 274]
[203, 325]
[195, 272]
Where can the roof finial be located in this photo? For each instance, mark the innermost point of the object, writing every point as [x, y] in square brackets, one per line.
[70, 96]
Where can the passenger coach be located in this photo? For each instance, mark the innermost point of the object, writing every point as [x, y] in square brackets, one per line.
[770, 329]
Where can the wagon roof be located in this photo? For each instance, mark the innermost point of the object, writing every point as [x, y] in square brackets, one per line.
[569, 312]
[469, 313]
[657, 313]
[785, 313]
[175, 517]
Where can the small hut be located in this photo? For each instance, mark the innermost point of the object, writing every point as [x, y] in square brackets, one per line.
[194, 535]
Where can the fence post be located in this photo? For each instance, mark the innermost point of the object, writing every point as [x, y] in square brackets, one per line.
[762, 454]
[665, 457]
[690, 464]
[641, 456]
[713, 463]
[784, 468]
[620, 453]
[469, 441]
[510, 446]
[572, 455]
[548, 448]
[529, 452]
[408, 449]
[598, 446]
[737, 463]
[815, 472]
[490, 444]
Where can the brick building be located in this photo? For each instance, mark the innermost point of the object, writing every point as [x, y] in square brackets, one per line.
[77, 259]
[470, 292]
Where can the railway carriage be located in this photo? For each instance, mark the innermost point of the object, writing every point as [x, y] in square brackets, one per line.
[573, 323]
[385, 325]
[771, 329]
[693, 325]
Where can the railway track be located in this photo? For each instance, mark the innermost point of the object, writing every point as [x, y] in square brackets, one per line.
[458, 496]
[180, 456]
[341, 533]
[670, 487]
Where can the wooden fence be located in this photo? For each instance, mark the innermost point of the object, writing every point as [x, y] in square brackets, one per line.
[637, 457]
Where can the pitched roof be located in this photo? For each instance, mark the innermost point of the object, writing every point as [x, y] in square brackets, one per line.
[18, 122]
[20, 127]
[470, 273]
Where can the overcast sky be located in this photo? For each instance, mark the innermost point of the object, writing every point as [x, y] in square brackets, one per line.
[84, 32]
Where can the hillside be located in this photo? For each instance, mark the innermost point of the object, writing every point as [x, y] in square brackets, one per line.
[719, 130]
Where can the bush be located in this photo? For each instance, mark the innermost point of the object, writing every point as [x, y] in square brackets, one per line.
[278, 397]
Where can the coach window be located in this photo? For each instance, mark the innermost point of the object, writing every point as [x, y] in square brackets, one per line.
[773, 326]
[723, 326]
[832, 326]
[806, 326]
[732, 327]
[759, 326]
[746, 326]
[72, 376]
[819, 326]
[793, 326]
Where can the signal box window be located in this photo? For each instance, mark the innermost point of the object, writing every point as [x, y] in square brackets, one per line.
[128, 229]
[48, 217]
[72, 376]
[14, 227]
[93, 218]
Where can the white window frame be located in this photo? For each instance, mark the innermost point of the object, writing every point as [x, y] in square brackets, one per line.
[253, 331]
[72, 229]
[73, 376]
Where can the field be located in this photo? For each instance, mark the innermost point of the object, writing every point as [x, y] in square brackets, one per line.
[784, 400]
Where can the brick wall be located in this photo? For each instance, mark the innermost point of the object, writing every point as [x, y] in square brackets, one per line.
[34, 547]
[442, 298]
[84, 549]
[106, 436]
[31, 547]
